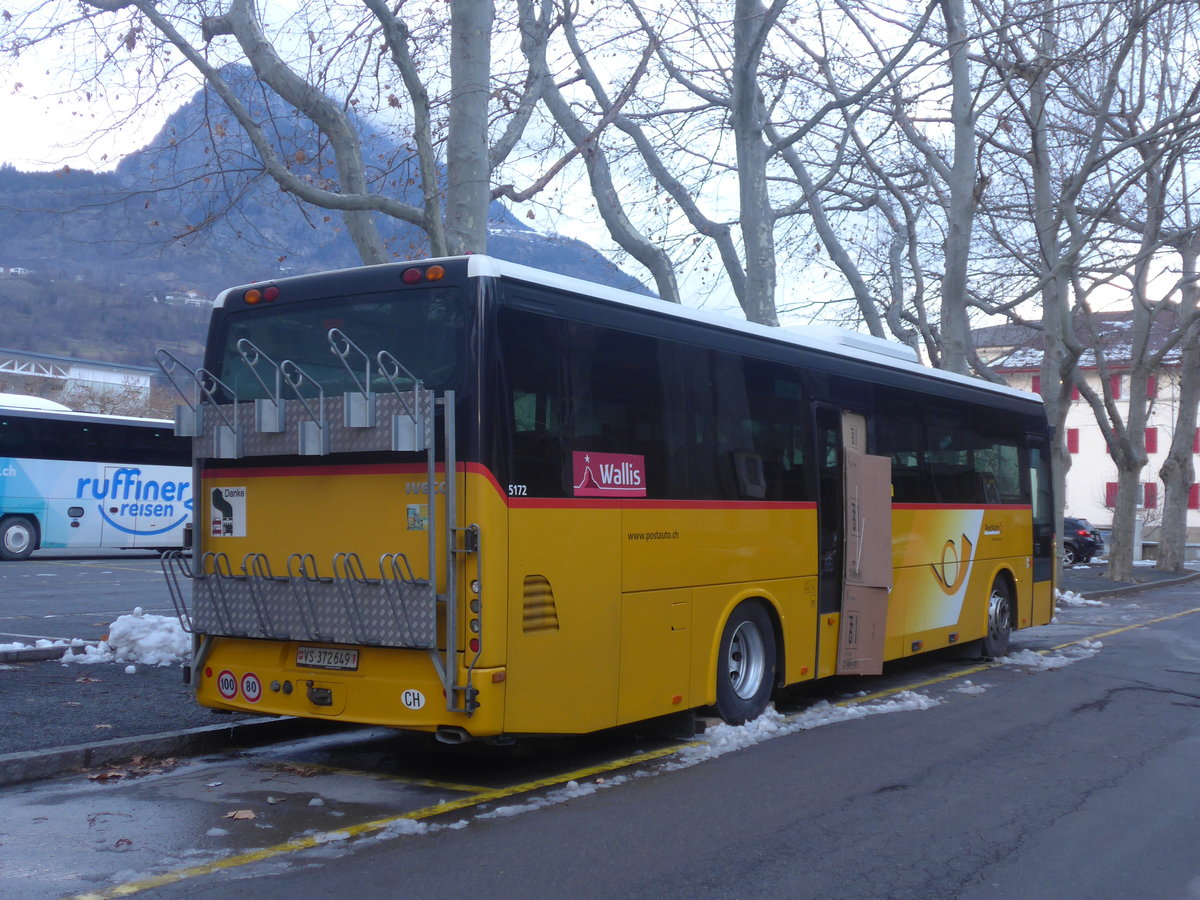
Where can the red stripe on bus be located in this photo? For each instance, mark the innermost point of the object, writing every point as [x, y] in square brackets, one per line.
[638, 503]
[999, 506]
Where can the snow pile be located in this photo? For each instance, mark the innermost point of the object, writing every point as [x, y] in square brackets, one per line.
[1046, 660]
[37, 645]
[1073, 600]
[970, 688]
[569, 791]
[139, 638]
[721, 739]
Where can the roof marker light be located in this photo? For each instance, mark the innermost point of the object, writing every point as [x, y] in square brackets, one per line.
[411, 276]
[252, 296]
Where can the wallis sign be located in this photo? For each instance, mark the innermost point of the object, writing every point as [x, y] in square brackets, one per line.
[609, 474]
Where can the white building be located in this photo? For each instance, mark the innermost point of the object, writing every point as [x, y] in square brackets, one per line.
[20, 369]
[1015, 352]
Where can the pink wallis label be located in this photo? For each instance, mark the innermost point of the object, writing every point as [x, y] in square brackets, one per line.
[609, 474]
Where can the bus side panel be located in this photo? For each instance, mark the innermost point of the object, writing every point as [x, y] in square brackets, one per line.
[946, 561]
[691, 544]
[564, 588]
[655, 654]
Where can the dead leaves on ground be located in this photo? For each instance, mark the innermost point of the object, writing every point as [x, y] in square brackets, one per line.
[136, 768]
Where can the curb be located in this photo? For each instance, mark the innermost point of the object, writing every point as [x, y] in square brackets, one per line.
[44, 654]
[45, 763]
[1137, 588]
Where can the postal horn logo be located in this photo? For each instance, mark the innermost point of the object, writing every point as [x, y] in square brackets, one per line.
[951, 571]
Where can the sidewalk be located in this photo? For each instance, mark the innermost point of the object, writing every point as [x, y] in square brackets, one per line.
[1089, 580]
[63, 717]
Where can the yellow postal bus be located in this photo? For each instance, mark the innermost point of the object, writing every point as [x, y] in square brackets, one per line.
[476, 499]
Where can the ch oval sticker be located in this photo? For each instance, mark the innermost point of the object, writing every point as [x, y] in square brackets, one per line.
[413, 699]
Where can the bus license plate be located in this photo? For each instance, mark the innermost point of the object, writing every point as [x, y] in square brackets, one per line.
[327, 658]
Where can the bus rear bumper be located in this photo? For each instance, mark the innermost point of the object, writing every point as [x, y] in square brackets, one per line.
[390, 687]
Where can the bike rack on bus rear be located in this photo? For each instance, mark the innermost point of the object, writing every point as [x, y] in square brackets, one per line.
[395, 609]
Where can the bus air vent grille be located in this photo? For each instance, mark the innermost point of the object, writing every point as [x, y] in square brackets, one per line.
[540, 612]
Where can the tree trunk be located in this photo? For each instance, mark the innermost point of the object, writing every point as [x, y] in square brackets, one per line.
[749, 121]
[468, 179]
[956, 330]
[1178, 470]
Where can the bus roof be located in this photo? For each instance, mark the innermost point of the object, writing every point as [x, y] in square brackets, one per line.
[49, 409]
[23, 401]
[826, 339]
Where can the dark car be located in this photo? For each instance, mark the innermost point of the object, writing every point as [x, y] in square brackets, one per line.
[1081, 541]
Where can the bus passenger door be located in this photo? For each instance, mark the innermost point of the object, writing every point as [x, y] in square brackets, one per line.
[855, 545]
[1042, 497]
[829, 512]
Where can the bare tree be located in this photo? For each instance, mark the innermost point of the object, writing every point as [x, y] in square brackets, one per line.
[342, 70]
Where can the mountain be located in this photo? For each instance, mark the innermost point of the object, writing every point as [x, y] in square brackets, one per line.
[104, 252]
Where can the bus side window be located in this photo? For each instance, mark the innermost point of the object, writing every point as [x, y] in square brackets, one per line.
[532, 399]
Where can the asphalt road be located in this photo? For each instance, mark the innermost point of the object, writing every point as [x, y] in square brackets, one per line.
[1078, 782]
[1071, 782]
[56, 595]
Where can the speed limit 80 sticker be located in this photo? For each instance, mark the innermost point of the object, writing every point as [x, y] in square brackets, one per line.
[228, 685]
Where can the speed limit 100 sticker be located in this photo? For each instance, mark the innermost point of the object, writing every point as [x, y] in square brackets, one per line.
[251, 687]
[227, 684]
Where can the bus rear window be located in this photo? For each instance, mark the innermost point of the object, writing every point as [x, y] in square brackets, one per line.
[423, 330]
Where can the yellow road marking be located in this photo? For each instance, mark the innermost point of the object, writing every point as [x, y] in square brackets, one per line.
[487, 796]
[306, 843]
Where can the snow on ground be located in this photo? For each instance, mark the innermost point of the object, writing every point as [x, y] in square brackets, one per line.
[1051, 660]
[1073, 600]
[137, 638]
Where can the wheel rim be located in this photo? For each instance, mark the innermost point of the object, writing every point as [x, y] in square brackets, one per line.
[747, 660]
[1068, 556]
[16, 538]
[999, 616]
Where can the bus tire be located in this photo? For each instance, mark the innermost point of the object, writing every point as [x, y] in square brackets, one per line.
[999, 620]
[745, 664]
[18, 537]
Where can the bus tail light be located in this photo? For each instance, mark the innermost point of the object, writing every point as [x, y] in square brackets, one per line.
[415, 274]
[255, 296]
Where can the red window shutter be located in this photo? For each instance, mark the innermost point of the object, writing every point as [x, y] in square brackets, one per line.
[1151, 440]
[1074, 393]
[1115, 382]
[1072, 440]
[1196, 441]
[1110, 494]
[1194, 497]
[1037, 384]
[1151, 496]
[1151, 387]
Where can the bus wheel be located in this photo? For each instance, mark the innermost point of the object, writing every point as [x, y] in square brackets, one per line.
[18, 537]
[999, 621]
[746, 664]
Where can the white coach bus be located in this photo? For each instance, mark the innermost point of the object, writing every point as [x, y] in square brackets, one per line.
[83, 480]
